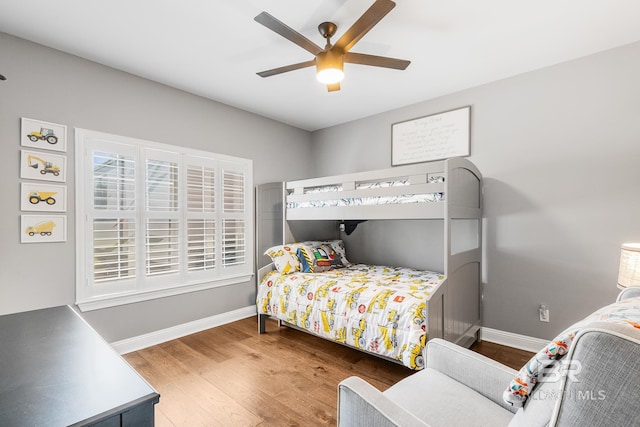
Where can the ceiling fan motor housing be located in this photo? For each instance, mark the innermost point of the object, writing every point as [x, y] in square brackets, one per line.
[329, 66]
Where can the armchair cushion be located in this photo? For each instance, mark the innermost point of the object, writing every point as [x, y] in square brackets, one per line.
[433, 396]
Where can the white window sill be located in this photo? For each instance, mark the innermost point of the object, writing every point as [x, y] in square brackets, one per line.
[106, 301]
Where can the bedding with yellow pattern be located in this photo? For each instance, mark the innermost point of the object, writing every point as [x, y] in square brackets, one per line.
[379, 309]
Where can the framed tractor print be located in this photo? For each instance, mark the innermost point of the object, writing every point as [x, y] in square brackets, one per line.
[43, 166]
[43, 135]
[43, 197]
[43, 228]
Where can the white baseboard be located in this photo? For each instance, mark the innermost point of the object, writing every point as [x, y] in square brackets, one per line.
[147, 340]
[128, 345]
[510, 339]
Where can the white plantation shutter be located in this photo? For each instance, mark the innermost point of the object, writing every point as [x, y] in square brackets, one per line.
[114, 249]
[233, 192]
[234, 248]
[114, 181]
[201, 217]
[201, 244]
[201, 189]
[162, 245]
[233, 242]
[113, 205]
[159, 220]
[161, 187]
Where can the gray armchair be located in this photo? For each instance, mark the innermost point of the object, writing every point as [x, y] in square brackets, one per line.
[461, 388]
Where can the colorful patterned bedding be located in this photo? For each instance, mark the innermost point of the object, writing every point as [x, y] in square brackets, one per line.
[368, 201]
[379, 309]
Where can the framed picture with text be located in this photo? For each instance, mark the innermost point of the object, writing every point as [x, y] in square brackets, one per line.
[435, 137]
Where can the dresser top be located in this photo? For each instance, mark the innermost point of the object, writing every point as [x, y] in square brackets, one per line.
[55, 370]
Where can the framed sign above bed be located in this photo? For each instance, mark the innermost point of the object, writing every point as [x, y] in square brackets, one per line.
[435, 137]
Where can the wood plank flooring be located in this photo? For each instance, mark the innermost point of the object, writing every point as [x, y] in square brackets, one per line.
[232, 376]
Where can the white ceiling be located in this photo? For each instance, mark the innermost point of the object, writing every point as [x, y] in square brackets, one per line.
[214, 48]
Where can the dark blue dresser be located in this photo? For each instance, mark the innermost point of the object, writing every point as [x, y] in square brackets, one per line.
[55, 370]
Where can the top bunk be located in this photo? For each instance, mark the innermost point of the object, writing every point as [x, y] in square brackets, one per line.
[443, 189]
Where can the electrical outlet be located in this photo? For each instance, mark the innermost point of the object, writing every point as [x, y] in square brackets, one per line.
[544, 313]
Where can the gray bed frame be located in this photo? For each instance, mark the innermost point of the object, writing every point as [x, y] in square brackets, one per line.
[453, 311]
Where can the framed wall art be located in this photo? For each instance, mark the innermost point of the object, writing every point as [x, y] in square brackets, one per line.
[435, 137]
[35, 196]
[43, 228]
[43, 135]
[43, 166]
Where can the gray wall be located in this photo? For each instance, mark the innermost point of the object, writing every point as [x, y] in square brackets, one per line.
[394, 242]
[49, 85]
[559, 149]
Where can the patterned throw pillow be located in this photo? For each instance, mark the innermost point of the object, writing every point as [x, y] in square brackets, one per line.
[319, 257]
[310, 256]
[338, 247]
[284, 257]
[625, 312]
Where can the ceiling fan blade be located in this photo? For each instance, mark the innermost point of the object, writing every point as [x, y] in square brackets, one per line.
[376, 61]
[287, 68]
[287, 32]
[333, 87]
[366, 22]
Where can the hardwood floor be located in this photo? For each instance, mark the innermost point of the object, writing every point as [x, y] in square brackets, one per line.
[232, 376]
[512, 357]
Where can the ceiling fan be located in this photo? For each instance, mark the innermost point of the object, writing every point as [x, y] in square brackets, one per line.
[330, 60]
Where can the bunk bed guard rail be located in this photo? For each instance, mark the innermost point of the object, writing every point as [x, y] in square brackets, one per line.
[406, 192]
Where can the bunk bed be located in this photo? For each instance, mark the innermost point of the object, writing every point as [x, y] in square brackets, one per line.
[389, 311]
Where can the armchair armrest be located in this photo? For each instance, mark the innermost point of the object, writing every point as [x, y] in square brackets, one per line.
[483, 375]
[628, 293]
[362, 405]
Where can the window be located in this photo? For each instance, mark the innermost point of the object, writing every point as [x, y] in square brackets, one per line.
[155, 220]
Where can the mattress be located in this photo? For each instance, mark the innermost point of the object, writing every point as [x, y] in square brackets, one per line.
[379, 309]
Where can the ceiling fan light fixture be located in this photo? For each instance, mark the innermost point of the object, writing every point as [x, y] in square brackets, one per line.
[329, 65]
[329, 61]
[330, 76]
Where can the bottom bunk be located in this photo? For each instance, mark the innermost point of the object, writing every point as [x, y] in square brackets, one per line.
[386, 311]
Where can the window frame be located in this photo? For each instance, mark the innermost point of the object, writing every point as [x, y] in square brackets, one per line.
[90, 296]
